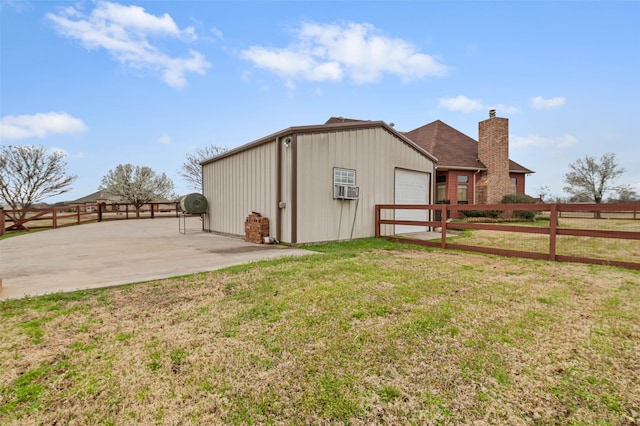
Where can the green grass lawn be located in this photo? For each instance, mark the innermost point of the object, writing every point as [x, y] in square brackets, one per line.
[369, 332]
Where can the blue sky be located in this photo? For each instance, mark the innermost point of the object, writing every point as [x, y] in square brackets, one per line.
[147, 82]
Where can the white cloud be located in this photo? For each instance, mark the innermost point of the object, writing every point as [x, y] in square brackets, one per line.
[503, 109]
[464, 104]
[66, 153]
[164, 139]
[217, 33]
[288, 63]
[461, 103]
[538, 141]
[541, 103]
[124, 31]
[326, 52]
[39, 125]
[19, 6]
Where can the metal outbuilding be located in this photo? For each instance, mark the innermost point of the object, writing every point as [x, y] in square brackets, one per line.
[318, 183]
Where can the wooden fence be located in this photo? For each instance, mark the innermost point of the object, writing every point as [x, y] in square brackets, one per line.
[58, 217]
[606, 234]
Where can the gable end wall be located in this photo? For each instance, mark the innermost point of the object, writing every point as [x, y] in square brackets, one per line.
[239, 184]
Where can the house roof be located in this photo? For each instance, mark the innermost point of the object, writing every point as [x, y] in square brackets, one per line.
[453, 148]
[334, 120]
[334, 124]
[91, 198]
[102, 195]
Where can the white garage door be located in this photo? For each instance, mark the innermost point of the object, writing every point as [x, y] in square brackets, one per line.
[411, 188]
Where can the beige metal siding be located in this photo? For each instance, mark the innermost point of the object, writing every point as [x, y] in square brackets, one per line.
[239, 184]
[374, 154]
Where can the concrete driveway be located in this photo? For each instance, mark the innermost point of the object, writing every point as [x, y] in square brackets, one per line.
[119, 252]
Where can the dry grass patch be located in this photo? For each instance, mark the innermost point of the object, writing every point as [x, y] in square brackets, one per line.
[369, 332]
[589, 247]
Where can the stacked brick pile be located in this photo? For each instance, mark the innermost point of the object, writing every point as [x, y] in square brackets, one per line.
[256, 228]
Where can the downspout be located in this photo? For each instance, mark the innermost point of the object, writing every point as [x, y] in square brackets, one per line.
[474, 186]
[433, 196]
[279, 149]
[206, 218]
[294, 189]
[434, 186]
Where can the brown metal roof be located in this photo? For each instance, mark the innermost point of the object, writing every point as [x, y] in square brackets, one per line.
[453, 148]
[330, 126]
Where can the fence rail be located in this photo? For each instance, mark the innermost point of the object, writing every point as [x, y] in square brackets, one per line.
[586, 233]
[58, 217]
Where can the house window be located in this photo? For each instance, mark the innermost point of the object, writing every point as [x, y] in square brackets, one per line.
[514, 181]
[463, 190]
[441, 178]
[344, 176]
[463, 194]
[441, 193]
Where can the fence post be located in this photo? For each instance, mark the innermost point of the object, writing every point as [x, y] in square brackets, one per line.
[78, 215]
[54, 218]
[553, 228]
[2, 222]
[377, 220]
[152, 205]
[443, 226]
[100, 212]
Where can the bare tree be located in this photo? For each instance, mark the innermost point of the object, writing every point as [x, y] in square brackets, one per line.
[137, 185]
[557, 199]
[542, 192]
[29, 174]
[624, 194]
[589, 179]
[192, 170]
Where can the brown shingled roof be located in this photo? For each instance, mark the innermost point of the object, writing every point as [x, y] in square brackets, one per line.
[452, 148]
[333, 120]
[92, 198]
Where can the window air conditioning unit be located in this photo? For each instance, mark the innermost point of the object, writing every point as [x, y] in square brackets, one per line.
[346, 192]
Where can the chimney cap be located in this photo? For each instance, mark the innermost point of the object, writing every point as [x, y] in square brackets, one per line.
[492, 113]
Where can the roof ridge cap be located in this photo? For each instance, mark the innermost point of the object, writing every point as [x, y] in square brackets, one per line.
[435, 134]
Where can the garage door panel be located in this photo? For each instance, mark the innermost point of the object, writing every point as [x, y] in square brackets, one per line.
[411, 187]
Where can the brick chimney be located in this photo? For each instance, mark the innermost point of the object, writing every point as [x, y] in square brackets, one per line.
[493, 151]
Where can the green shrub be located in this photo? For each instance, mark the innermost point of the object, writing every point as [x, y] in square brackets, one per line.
[520, 199]
[481, 213]
[516, 199]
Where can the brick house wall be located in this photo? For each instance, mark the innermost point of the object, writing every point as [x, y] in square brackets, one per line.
[519, 177]
[451, 186]
[452, 183]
